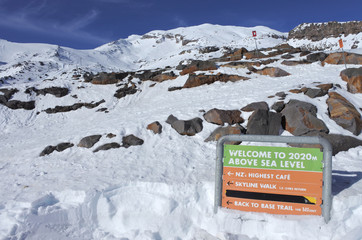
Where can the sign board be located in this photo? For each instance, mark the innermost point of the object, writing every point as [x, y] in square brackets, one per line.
[340, 41]
[254, 33]
[279, 180]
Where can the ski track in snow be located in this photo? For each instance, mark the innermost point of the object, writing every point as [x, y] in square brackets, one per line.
[163, 189]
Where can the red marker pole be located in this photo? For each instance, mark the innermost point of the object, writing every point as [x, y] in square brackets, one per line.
[340, 41]
[256, 46]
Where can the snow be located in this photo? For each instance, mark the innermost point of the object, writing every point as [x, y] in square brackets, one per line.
[163, 189]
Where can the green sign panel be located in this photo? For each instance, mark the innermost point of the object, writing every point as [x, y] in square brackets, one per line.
[281, 158]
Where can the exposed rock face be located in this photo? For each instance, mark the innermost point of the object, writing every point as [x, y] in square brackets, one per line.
[107, 146]
[131, 140]
[125, 90]
[236, 55]
[278, 106]
[264, 122]
[249, 64]
[155, 127]
[317, 31]
[315, 57]
[186, 127]
[273, 72]
[315, 92]
[197, 65]
[105, 78]
[73, 107]
[254, 54]
[353, 77]
[220, 117]
[255, 106]
[89, 141]
[344, 113]
[59, 148]
[337, 58]
[339, 142]
[301, 118]
[14, 104]
[294, 62]
[155, 75]
[222, 131]
[198, 80]
[56, 91]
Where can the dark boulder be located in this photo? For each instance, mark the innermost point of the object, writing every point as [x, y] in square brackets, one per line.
[220, 117]
[73, 107]
[131, 140]
[107, 146]
[48, 150]
[198, 65]
[222, 131]
[198, 80]
[315, 92]
[56, 91]
[155, 127]
[62, 146]
[89, 141]
[353, 77]
[278, 106]
[125, 90]
[315, 57]
[301, 118]
[255, 106]
[264, 122]
[186, 127]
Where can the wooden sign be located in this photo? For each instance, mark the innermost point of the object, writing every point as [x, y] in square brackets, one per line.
[278, 180]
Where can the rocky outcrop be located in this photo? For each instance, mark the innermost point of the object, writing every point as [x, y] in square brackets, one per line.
[337, 58]
[353, 77]
[56, 91]
[294, 62]
[59, 148]
[278, 106]
[220, 117]
[186, 127]
[155, 127]
[344, 113]
[131, 140]
[248, 65]
[273, 72]
[73, 107]
[255, 106]
[125, 90]
[198, 65]
[107, 146]
[198, 80]
[315, 92]
[264, 122]
[236, 55]
[315, 57]
[319, 31]
[89, 141]
[155, 75]
[104, 78]
[222, 131]
[301, 118]
[14, 104]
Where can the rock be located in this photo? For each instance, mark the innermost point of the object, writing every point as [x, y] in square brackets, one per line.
[107, 146]
[222, 131]
[325, 86]
[249, 64]
[170, 89]
[59, 148]
[254, 54]
[287, 56]
[344, 113]
[48, 150]
[104, 78]
[273, 72]
[337, 58]
[171, 119]
[315, 57]
[89, 141]
[198, 80]
[155, 127]
[315, 92]
[339, 142]
[111, 135]
[264, 122]
[301, 118]
[294, 63]
[209, 49]
[188, 127]
[353, 77]
[164, 77]
[15, 104]
[236, 55]
[278, 106]
[56, 91]
[62, 146]
[319, 31]
[73, 107]
[255, 106]
[198, 65]
[220, 117]
[125, 90]
[304, 53]
[131, 140]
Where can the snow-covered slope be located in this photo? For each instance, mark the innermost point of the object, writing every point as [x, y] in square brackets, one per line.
[163, 189]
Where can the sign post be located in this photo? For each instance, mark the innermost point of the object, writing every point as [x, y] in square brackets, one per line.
[277, 180]
[256, 46]
[340, 42]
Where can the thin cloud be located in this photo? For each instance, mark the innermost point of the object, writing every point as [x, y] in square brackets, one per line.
[180, 22]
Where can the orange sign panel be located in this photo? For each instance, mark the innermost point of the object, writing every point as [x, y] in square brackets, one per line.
[272, 180]
[340, 43]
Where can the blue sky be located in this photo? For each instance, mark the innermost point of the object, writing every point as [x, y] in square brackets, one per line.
[86, 24]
